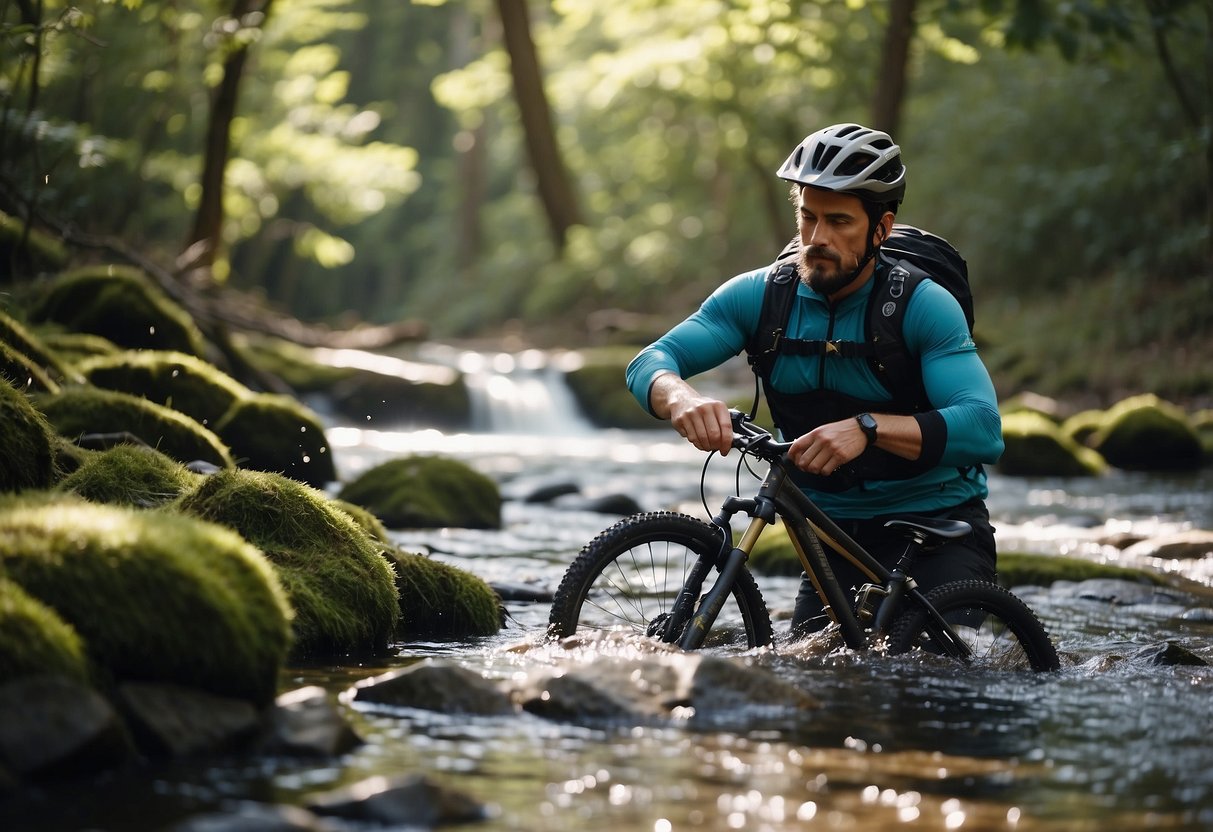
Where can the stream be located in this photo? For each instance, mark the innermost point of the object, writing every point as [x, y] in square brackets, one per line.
[1111, 742]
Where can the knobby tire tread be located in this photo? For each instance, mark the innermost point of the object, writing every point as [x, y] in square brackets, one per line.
[647, 528]
[981, 595]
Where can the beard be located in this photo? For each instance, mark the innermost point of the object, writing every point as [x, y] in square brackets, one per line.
[821, 279]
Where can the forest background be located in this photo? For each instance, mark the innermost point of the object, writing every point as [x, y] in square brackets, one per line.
[572, 174]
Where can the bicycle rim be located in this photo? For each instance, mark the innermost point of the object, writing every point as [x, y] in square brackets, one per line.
[1000, 630]
[626, 580]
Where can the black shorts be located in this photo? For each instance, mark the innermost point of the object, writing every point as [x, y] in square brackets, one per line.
[970, 557]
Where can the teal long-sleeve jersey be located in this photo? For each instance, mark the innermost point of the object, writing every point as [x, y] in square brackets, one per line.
[960, 434]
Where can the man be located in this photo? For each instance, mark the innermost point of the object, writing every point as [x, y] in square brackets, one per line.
[925, 459]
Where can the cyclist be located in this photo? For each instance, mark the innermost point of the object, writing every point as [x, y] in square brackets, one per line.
[847, 182]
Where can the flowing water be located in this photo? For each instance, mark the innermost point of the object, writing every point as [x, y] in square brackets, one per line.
[1111, 742]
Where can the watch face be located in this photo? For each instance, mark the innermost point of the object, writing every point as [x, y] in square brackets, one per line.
[867, 422]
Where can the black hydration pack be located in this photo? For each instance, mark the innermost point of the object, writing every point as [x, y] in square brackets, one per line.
[907, 257]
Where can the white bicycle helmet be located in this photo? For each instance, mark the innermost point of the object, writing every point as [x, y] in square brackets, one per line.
[849, 158]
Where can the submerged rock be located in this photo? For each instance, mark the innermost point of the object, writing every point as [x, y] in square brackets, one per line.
[411, 801]
[436, 686]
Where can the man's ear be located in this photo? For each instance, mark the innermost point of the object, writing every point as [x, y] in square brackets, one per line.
[885, 227]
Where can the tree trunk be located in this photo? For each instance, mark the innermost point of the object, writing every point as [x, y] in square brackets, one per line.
[555, 190]
[202, 247]
[895, 55]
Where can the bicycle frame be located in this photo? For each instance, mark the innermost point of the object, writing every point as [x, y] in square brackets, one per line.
[807, 526]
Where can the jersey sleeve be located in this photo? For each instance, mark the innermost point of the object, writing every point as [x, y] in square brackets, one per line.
[965, 428]
[711, 335]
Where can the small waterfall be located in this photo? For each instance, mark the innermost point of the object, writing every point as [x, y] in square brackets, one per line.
[520, 393]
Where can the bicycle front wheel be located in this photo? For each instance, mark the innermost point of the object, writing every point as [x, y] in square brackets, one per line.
[626, 580]
[1000, 630]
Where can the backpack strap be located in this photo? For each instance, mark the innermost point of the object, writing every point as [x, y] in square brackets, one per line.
[890, 359]
[767, 340]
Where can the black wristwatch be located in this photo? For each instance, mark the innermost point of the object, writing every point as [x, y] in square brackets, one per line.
[868, 425]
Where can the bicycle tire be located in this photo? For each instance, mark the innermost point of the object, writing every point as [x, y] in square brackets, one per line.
[628, 576]
[1008, 636]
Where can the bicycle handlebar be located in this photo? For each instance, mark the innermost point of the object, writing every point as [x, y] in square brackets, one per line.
[750, 438]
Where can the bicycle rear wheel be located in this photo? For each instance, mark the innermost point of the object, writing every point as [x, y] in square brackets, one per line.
[1001, 630]
[626, 579]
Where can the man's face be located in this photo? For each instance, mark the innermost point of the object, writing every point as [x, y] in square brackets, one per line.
[833, 238]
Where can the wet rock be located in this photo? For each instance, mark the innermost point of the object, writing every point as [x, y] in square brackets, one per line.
[256, 817]
[411, 801]
[421, 492]
[621, 505]
[436, 686]
[1189, 545]
[173, 721]
[55, 726]
[1112, 591]
[721, 686]
[305, 722]
[547, 492]
[1168, 654]
[577, 699]
[522, 593]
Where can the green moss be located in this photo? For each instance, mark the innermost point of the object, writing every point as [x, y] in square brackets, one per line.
[275, 433]
[130, 475]
[22, 340]
[120, 304]
[370, 524]
[153, 595]
[342, 588]
[439, 599]
[290, 362]
[1145, 433]
[1036, 446]
[1082, 425]
[34, 640]
[31, 252]
[427, 492]
[602, 392]
[187, 384]
[19, 371]
[1019, 569]
[26, 460]
[76, 411]
[73, 347]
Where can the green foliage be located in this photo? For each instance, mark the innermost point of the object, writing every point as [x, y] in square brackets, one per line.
[199, 607]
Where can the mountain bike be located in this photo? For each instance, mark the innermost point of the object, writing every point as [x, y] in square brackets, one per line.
[648, 575]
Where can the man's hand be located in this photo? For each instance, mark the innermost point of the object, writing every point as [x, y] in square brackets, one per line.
[822, 450]
[702, 420]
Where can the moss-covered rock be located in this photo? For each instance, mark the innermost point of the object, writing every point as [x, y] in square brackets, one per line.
[32, 252]
[76, 411]
[1082, 425]
[34, 348]
[26, 459]
[342, 588]
[1030, 402]
[120, 304]
[154, 596]
[34, 640]
[174, 379]
[19, 371]
[427, 492]
[73, 347]
[269, 432]
[1202, 423]
[370, 524]
[130, 475]
[1019, 569]
[380, 399]
[1036, 446]
[1145, 433]
[601, 391]
[437, 599]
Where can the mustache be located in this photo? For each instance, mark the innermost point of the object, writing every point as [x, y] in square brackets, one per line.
[819, 251]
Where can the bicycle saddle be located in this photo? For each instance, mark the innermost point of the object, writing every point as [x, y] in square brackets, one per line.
[936, 527]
